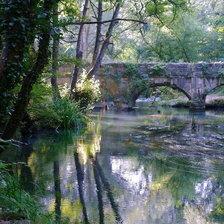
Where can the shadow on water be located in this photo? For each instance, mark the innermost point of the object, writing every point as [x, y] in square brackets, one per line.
[99, 171]
[80, 178]
[100, 179]
[140, 167]
[57, 190]
[99, 192]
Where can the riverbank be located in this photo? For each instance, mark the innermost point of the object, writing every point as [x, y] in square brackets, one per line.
[212, 101]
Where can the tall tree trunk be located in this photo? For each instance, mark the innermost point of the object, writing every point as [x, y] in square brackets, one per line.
[98, 32]
[17, 26]
[85, 41]
[55, 53]
[106, 42]
[3, 61]
[32, 76]
[79, 53]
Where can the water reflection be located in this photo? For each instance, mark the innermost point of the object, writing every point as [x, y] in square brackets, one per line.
[135, 168]
[57, 190]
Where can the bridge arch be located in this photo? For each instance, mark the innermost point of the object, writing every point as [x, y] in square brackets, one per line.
[213, 89]
[195, 80]
[136, 94]
[172, 86]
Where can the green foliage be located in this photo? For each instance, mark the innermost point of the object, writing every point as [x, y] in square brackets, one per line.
[181, 103]
[167, 93]
[87, 91]
[62, 113]
[18, 29]
[175, 35]
[5, 144]
[127, 54]
[205, 70]
[137, 81]
[66, 60]
[70, 9]
[158, 70]
[218, 212]
[218, 91]
[164, 11]
[219, 26]
[131, 71]
[85, 98]
[41, 94]
[216, 103]
[221, 73]
[16, 204]
[63, 60]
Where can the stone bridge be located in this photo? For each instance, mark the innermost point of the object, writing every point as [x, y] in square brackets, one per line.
[124, 83]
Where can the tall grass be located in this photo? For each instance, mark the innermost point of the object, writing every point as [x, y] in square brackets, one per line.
[62, 113]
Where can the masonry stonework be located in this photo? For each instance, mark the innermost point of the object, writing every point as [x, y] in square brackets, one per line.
[195, 80]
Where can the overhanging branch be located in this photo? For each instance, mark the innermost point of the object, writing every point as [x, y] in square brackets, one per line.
[107, 21]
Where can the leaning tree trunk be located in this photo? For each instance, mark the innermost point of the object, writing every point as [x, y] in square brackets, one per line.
[79, 53]
[106, 42]
[32, 76]
[98, 32]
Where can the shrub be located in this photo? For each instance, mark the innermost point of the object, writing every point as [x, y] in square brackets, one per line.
[87, 91]
[216, 103]
[62, 113]
[181, 103]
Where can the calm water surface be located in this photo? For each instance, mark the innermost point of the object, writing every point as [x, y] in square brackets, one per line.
[143, 167]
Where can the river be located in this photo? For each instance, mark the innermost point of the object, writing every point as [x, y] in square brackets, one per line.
[153, 166]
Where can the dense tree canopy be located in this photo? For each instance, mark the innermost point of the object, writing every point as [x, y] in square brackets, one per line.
[156, 165]
[80, 32]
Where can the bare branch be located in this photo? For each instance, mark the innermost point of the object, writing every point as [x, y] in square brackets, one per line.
[69, 41]
[93, 6]
[107, 21]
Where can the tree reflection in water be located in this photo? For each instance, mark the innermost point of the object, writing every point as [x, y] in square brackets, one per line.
[157, 169]
[107, 188]
[57, 189]
[99, 192]
[80, 178]
[90, 151]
